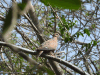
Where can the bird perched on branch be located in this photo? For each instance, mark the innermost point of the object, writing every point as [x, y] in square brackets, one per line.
[49, 45]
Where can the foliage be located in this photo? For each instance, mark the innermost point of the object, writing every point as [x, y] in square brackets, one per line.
[66, 4]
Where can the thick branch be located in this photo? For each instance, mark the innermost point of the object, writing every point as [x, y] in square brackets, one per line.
[19, 50]
[55, 65]
[68, 64]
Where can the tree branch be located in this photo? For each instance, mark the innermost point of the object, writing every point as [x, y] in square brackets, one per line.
[66, 63]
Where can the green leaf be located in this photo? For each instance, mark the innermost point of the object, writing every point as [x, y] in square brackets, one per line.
[87, 32]
[63, 19]
[79, 33]
[86, 49]
[65, 4]
[22, 5]
[83, 46]
[66, 40]
[93, 26]
[98, 40]
[94, 43]
[67, 26]
[89, 45]
[72, 24]
[50, 24]
[62, 31]
[76, 21]
[50, 72]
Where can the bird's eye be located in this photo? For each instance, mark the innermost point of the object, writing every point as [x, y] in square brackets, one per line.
[56, 34]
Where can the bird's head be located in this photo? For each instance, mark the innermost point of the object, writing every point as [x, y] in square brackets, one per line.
[56, 35]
